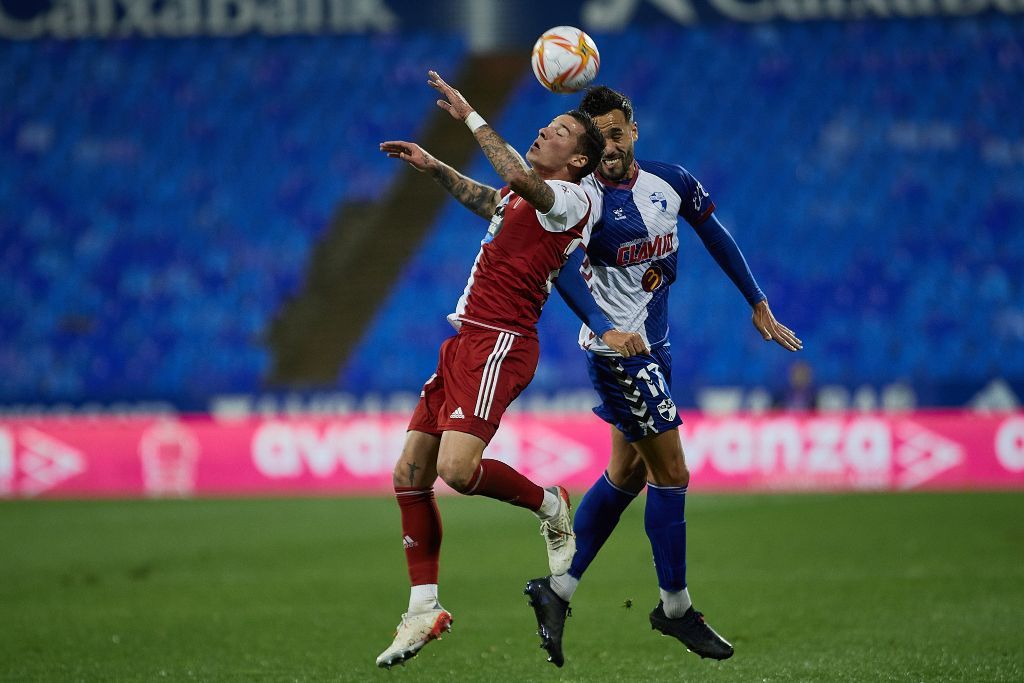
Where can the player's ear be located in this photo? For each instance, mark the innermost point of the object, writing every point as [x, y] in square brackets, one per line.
[636, 132]
[579, 160]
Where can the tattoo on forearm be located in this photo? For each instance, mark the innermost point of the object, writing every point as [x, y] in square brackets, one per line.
[506, 161]
[509, 165]
[476, 197]
[412, 473]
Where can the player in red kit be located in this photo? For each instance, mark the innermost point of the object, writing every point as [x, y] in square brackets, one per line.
[536, 220]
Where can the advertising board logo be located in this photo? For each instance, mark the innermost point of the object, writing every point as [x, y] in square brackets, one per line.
[169, 453]
[1009, 444]
[923, 455]
[32, 462]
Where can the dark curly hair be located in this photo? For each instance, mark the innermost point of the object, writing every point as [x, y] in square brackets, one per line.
[601, 99]
[590, 143]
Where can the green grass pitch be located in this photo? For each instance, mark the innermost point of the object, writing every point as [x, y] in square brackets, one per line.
[871, 587]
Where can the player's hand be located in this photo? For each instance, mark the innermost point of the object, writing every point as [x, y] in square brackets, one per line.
[772, 330]
[454, 103]
[410, 152]
[625, 344]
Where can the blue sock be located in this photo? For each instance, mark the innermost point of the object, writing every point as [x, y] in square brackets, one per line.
[596, 517]
[665, 522]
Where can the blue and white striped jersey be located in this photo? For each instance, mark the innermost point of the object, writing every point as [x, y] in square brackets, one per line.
[631, 258]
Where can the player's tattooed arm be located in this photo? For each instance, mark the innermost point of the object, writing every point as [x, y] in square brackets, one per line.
[506, 161]
[523, 180]
[479, 198]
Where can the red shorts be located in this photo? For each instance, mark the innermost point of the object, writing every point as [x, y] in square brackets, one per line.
[479, 373]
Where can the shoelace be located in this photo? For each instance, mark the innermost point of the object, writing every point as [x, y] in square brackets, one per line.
[553, 534]
[405, 618]
[701, 624]
[405, 621]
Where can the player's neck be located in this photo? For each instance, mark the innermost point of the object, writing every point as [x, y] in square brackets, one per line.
[554, 174]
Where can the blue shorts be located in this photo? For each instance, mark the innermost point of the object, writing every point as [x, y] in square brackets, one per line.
[636, 393]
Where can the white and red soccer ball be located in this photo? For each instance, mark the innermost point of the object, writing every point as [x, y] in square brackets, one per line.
[565, 59]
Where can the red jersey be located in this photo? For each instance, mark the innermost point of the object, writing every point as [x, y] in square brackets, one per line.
[520, 257]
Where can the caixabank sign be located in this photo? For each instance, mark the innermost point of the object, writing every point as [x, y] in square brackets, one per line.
[489, 23]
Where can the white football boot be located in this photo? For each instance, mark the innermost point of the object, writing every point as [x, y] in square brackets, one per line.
[557, 533]
[415, 631]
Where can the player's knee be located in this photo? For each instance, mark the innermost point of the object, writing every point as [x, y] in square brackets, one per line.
[680, 474]
[455, 474]
[415, 466]
[674, 473]
[632, 479]
[410, 474]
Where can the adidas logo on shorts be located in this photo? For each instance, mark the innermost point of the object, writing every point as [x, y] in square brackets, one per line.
[457, 414]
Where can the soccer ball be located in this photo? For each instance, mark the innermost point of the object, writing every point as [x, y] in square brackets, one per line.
[565, 59]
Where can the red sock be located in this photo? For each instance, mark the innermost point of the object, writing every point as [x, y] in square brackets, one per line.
[497, 480]
[421, 532]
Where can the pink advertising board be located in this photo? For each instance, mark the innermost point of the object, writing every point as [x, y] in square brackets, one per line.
[197, 456]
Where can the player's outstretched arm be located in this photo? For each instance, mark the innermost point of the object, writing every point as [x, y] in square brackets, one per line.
[772, 330]
[523, 180]
[723, 248]
[477, 197]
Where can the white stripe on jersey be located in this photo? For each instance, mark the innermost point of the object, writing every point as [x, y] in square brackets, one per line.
[460, 306]
[611, 290]
[489, 381]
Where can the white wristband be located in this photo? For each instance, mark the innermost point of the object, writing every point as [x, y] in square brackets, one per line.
[474, 121]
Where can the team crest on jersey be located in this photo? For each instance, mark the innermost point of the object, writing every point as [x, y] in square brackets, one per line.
[619, 214]
[658, 199]
[667, 410]
[652, 279]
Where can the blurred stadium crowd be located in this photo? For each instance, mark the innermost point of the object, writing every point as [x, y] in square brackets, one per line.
[161, 199]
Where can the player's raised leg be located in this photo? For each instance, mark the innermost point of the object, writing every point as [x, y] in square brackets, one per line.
[485, 371]
[665, 522]
[462, 466]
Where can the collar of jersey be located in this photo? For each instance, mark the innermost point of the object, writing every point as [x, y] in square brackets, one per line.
[627, 185]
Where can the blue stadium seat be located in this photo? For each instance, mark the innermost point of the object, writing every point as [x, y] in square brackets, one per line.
[161, 198]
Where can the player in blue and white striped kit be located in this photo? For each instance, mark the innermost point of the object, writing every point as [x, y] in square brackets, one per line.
[623, 282]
